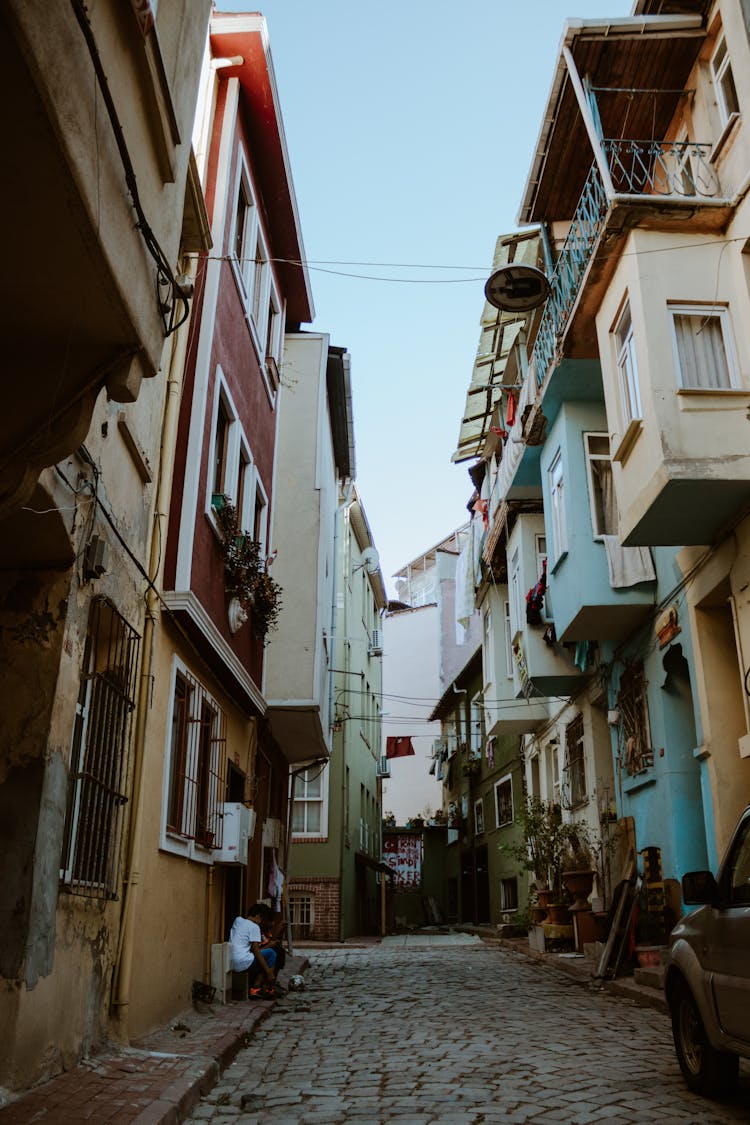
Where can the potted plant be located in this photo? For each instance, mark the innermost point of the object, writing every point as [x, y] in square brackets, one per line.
[389, 820]
[246, 579]
[578, 869]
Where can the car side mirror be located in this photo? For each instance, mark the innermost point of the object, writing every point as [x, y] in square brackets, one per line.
[698, 888]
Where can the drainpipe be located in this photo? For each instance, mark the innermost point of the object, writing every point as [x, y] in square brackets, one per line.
[209, 903]
[343, 508]
[124, 964]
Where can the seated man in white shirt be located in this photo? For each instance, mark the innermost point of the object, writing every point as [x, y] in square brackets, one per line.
[247, 955]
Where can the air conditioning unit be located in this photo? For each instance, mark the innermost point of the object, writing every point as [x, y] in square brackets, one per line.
[376, 643]
[238, 829]
[383, 768]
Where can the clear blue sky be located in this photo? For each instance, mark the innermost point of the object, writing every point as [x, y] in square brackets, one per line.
[410, 126]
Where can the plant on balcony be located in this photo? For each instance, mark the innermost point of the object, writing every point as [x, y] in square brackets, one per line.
[389, 820]
[471, 766]
[245, 574]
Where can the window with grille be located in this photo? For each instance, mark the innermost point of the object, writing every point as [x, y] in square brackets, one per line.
[574, 771]
[504, 801]
[100, 755]
[197, 763]
[301, 914]
[509, 894]
[634, 724]
[703, 347]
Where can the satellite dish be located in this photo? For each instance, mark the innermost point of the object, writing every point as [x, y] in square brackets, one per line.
[517, 288]
[370, 560]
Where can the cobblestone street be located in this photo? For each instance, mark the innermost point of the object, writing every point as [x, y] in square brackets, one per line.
[460, 1035]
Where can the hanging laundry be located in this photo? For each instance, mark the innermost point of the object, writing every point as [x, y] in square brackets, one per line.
[398, 747]
[549, 636]
[535, 598]
[510, 413]
[490, 751]
[501, 433]
[482, 507]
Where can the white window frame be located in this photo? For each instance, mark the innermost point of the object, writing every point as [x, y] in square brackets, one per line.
[238, 452]
[172, 840]
[627, 367]
[479, 817]
[322, 800]
[722, 73]
[556, 478]
[507, 780]
[508, 626]
[488, 656]
[517, 615]
[720, 313]
[593, 456]
[243, 265]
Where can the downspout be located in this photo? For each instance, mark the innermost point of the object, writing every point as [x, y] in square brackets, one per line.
[343, 507]
[124, 964]
[209, 904]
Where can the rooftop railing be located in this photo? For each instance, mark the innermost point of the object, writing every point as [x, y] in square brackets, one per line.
[678, 169]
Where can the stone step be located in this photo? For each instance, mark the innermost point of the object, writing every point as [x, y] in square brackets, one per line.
[652, 977]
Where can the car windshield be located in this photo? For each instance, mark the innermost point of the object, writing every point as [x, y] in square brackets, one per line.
[739, 869]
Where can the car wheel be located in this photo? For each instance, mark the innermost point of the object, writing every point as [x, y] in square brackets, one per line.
[707, 1071]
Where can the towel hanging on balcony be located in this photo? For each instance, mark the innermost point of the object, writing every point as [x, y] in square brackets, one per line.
[627, 565]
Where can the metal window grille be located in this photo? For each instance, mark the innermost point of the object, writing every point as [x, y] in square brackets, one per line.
[197, 763]
[634, 724]
[574, 770]
[504, 802]
[100, 755]
[301, 913]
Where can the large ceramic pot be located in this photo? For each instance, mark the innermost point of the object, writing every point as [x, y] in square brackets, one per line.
[579, 884]
[558, 914]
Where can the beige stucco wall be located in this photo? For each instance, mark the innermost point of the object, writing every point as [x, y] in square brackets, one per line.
[304, 502]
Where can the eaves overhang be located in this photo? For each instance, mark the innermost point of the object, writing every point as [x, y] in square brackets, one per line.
[245, 37]
[643, 53]
[339, 387]
[471, 668]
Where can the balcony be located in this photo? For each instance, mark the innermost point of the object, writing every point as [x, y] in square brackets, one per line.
[653, 184]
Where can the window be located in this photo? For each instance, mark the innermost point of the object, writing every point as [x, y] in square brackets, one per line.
[308, 811]
[221, 438]
[508, 642]
[504, 801]
[196, 758]
[726, 93]
[487, 650]
[739, 870]
[234, 473]
[245, 219]
[476, 729]
[634, 725]
[517, 605]
[704, 351]
[100, 755]
[509, 894]
[627, 371]
[574, 771]
[601, 485]
[478, 817]
[254, 273]
[301, 914]
[557, 500]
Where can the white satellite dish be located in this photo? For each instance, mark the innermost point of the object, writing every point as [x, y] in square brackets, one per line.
[370, 560]
[517, 288]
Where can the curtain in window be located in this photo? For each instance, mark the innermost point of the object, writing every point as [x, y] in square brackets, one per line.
[702, 355]
[605, 486]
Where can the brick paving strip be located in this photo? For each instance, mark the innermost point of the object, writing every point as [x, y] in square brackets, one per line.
[157, 1081]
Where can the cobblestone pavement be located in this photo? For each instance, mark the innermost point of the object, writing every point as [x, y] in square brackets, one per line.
[460, 1036]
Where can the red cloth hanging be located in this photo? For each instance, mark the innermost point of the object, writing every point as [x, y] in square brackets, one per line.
[510, 414]
[482, 506]
[398, 746]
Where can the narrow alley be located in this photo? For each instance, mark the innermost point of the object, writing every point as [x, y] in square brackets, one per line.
[457, 1033]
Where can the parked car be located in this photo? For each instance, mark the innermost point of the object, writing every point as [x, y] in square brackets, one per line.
[707, 978]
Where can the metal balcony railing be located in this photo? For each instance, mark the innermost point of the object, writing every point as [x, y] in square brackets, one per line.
[661, 168]
[655, 168]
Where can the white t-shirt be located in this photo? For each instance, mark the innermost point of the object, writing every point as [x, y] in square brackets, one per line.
[242, 935]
